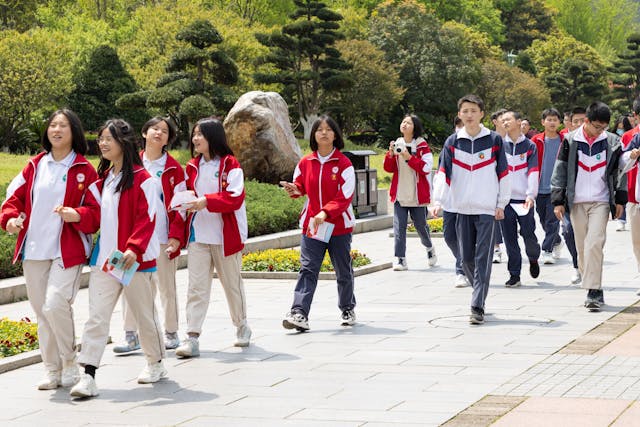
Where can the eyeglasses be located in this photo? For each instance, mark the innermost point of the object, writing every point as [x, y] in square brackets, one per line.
[105, 140]
[599, 128]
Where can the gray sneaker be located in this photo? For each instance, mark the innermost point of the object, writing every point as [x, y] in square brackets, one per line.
[171, 340]
[190, 347]
[243, 336]
[296, 320]
[132, 343]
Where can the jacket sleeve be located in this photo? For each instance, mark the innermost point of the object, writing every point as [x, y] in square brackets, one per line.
[442, 178]
[231, 197]
[504, 179]
[533, 173]
[342, 200]
[390, 163]
[144, 217]
[298, 180]
[559, 176]
[14, 202]
[423, 162]
[89, 208]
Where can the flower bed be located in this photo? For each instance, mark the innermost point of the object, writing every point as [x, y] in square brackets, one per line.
[435, 225]
[17, 336]
[289, 260]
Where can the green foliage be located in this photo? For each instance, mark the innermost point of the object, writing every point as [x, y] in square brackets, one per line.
[626, 75]
[524, 21]
[18, 15]
[289, 260]
[269, 209]
[7, 246]
[17, 337]
[196, 106]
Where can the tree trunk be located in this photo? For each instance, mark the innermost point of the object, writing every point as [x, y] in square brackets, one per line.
[307, 122]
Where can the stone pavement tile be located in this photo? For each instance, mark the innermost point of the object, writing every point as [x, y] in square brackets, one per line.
[436, 369]
[208, 421]
[627, 344]
[630, 417]
[372, 416]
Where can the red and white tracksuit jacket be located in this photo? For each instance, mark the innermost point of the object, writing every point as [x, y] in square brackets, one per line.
[228, 201]
[329, 187]
[75, 243]
[421, 163]
[632, 175]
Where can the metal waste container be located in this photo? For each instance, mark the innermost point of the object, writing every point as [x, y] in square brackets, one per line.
[365, 195]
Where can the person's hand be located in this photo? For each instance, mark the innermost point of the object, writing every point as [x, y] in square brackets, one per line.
[405, 154]
[528, 204]
[172, 246]
[619, 211]
[633, 154]
[559, 212]
[290, 188]
[67, 214]
[499, 214]
[14, 226]
[317, 220]
[128, 258]
[197, 205]
[435, 211]
[391, 150]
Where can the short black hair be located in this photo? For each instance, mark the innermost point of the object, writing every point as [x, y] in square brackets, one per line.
[578, 110]
[496, 114]
[516, 115]
[457, 121]
[418, 129]
[599, 112]
[213, 131]
[473, 99]
[338, 142]
[157, 119]
[78, 141]
[552, 112]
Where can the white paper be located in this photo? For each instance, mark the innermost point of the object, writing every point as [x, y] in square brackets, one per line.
[519, 209]
[322, 233]
[180, 199]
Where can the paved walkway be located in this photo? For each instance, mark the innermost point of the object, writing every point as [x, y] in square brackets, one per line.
[412, 359]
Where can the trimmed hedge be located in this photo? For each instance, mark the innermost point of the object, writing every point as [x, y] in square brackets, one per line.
[270, 209]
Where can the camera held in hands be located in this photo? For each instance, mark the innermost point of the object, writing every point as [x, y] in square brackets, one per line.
[399, 146]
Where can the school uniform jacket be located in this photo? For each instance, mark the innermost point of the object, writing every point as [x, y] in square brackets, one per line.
[522, 158]
[172, 180]
[421, 163]
[538, 140]
[136, 217]
[595, 164]
[632, 175]
[229, 202]
[473, 178]
[75, 243]
[329, 187]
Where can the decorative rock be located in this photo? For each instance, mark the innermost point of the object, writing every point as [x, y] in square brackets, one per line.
[260, 135]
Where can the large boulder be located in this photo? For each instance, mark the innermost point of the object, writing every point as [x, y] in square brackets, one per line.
[260, 135]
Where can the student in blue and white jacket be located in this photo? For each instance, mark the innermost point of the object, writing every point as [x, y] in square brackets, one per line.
[522, 157]
[474, 180]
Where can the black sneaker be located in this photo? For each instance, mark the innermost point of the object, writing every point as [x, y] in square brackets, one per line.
[534, 268]
[477, 316]
[348, 318]
[513, 282]
[595, 300]
[432, 259]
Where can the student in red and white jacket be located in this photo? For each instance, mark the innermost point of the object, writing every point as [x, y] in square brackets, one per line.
[168, 175]
[127, 197]
[410, 161]
[50, 244]
[327, 178]
[216, 232]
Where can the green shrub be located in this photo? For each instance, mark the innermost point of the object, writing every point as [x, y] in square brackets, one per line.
[435, 225]
[17, 337]
[7, 246]
[270, 209]
[289, 260]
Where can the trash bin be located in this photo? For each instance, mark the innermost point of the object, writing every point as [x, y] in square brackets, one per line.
[365, 195]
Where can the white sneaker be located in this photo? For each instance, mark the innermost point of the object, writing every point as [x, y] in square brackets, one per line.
[152, 373]
[243, 335]
[557, 250]
[547, 258]
[50, 381]
[190, 347]
[461, 281]
[171, 340]
[432, 259]
[622, 226]
[497, 256]
[576, 277]
[400, 265]
[86, 387]
[70, 373]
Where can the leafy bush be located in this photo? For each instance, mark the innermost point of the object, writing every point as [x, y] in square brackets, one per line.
[17, 337]
[435, 225]
[289, 260]
[270, 209]
[7, 245]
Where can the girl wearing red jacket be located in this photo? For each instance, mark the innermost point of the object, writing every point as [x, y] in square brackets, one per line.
[41, 207]
[128, 205]
[216, 232]
[169, 177]
[327, 177]
[410, 160]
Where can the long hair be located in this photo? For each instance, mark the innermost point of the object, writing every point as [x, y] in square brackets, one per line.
[154, 121]
[124, 135]
[338, 142]
[78, 142]
[213, 132]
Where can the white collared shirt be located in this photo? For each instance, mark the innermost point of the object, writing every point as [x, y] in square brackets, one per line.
[155, 169]
[109, 217]
[45, 226]
[207, 226]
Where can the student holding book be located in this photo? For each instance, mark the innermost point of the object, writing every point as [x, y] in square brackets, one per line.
[327, 178]
[41, 208]
[127, 197]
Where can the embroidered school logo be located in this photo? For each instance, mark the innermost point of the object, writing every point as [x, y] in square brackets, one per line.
[64, 178]
[598, 156]
[159, 174]
[80, 177]
[80, 186]
[481, 156]
[335, 169]
[217, 174]
[333, 177]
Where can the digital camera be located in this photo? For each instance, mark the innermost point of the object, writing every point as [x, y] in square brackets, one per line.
[398, 146]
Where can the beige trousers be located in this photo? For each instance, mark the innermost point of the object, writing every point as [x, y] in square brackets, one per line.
[633, 218]
[104, 291]
[589, 221]
[165, 283]
[51, 289]
[203, 259]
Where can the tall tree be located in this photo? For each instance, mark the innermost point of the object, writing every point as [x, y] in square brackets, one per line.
[304, 61]
[19, 15]
[625, 75]
[524, 21]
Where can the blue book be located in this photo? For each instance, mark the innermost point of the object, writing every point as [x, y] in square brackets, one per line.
[114, 267]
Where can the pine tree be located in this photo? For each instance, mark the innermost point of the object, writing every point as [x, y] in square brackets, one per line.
[625, 75]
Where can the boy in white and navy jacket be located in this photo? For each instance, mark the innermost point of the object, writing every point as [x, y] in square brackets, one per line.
[587, 182]
[474, 181]
[522, 158]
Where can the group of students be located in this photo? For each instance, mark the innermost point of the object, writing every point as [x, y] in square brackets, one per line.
[488, 183]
